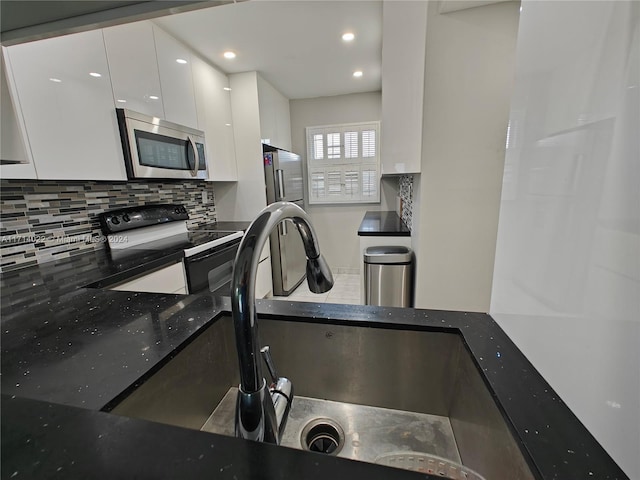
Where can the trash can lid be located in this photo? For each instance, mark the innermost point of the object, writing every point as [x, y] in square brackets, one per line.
[388, 254]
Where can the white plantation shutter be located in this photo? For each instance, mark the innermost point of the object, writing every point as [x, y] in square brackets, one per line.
[369, 143]
[318, 146]
[343, 163]
[350, 144]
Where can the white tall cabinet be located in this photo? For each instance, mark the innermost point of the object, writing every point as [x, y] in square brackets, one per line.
[135, 79]
[213, 107]
[66, 102]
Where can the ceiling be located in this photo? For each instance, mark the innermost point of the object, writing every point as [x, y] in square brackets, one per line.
[295, 45]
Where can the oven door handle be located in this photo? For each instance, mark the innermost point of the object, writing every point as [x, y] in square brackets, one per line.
[200, 258]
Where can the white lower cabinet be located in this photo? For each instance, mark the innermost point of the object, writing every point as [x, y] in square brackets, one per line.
[264, 279]
[169, 279]
[66, 101]
[264, 282]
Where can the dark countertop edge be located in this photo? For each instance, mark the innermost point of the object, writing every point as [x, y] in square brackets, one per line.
[382, 224]
[90, 444]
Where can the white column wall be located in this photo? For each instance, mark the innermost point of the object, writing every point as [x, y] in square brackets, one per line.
[566, 283]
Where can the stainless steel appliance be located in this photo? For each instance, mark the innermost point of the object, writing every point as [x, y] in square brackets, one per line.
[155, 148]
[283, 176]
[208, 254]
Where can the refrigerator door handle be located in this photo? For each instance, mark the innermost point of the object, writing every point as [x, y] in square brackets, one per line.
[280, 184]
[283, 228]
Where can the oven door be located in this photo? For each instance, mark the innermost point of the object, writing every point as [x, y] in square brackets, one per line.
[212, 269]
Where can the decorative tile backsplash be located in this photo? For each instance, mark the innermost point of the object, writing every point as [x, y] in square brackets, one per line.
[405, 187]
[43, 221]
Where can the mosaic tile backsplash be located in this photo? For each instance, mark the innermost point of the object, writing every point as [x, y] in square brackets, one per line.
[43, 221]
[405, 187]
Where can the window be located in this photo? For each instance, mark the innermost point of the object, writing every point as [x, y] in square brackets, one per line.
[343, 163]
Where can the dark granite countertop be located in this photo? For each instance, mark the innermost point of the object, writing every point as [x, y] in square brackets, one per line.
[383, 224]
[80, 351]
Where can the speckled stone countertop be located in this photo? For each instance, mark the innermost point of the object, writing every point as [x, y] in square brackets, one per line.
[69, 356]
[383, 224]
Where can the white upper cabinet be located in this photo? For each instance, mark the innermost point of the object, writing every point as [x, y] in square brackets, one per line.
[66, 101]
[275, 118]
[404, 29]
[16, 160]
[134, 68]
[213, 107]
[176, 80]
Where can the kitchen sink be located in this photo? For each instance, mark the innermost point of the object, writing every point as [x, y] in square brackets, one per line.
[406, 398]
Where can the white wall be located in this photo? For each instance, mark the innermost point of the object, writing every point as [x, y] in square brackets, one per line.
[337, 225]
[566, 286]
[468, 80]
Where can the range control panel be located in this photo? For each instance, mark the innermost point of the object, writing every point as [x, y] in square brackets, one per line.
[135, 217]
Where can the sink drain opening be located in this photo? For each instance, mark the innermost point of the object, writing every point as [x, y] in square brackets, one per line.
[322, 435]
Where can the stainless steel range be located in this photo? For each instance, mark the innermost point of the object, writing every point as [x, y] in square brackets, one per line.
[208, 254]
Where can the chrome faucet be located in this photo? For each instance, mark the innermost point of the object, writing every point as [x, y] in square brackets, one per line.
[261, 412]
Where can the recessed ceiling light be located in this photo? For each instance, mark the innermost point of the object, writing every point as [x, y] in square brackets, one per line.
[153, 97]
[121, 101]
[95, 74]
[55, 80]
[347, 37]
[357, 73]
[229, 54]
[181, 60]
[227, 89]
[227, 124]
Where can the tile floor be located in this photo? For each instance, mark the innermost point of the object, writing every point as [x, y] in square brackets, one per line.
[346, 289]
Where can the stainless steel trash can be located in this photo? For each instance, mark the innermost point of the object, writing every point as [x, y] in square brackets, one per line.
[388, 276]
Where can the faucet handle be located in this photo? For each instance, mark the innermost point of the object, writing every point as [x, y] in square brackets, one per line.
[266, 356]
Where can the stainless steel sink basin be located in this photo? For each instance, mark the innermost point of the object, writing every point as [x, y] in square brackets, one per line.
[370, 394]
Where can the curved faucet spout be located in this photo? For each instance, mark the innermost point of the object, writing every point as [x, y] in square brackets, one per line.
[255, 415]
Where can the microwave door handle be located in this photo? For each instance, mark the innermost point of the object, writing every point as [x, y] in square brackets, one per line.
[196, 154]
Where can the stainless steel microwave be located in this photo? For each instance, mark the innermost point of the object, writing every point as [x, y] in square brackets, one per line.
[155, 148]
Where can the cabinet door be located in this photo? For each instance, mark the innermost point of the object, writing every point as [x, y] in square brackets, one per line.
[66, 101]
[264, 285]
[131, 52]
[174, 65]
[404, 27]
[12, 144]
[213, 106]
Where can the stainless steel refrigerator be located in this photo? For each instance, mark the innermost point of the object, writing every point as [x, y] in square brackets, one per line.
[283, 175]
